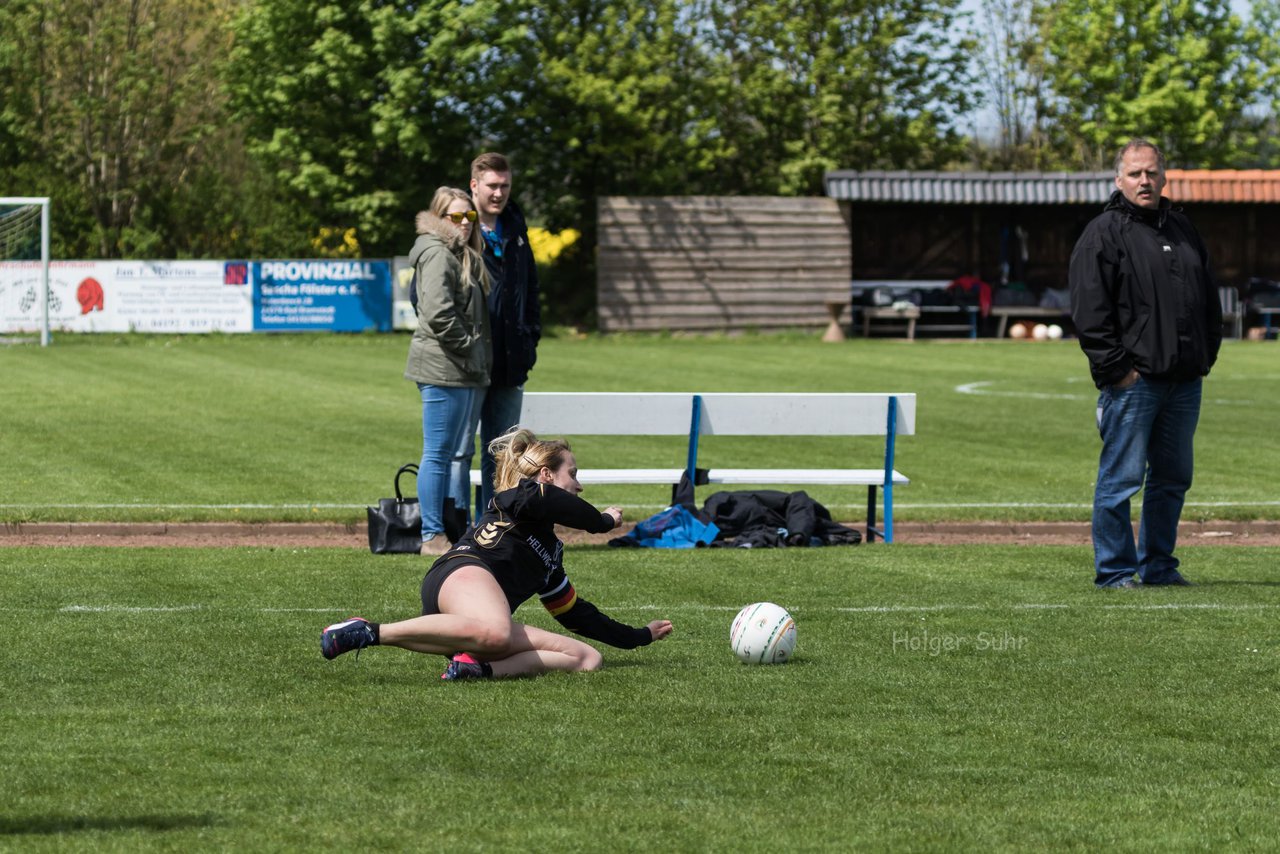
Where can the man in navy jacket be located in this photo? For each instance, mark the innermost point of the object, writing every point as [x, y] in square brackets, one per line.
[515, 319]
[1145, 306]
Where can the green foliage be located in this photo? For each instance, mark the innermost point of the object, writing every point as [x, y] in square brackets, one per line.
[298, 427]
[1183, 73]
[115, 98]
[251, 127]
[361, 110]
[941, 699]
[807, 87]
[565, 302]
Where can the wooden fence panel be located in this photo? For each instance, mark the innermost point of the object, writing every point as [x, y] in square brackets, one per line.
[719, 262]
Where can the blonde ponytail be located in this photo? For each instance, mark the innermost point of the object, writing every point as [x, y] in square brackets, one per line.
[519, 454]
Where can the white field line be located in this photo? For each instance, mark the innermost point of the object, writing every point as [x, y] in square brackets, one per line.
[1031, 606]
[127, 609]
[699, 608]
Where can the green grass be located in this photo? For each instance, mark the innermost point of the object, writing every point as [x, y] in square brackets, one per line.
[166, 699]
[258, 427]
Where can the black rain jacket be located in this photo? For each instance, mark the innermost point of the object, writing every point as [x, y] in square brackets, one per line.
[515, 316]
[1143, 296]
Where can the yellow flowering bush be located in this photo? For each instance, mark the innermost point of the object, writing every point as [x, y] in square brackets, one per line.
[547, 246]
[334, 242]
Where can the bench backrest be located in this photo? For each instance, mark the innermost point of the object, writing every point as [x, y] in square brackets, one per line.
[554, 413]
[805, 414]
[722, 414]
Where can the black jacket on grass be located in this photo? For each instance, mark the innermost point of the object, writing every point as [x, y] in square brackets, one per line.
[1143, 296]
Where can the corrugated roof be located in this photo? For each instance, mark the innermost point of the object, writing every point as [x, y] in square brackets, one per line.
[1001, 188]
[1040, 188]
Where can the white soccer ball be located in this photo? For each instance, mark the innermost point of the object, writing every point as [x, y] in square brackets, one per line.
[1055, 332]
[1040, 332]
[763, 633]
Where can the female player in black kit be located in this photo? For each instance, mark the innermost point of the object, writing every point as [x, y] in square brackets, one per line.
[472, 590]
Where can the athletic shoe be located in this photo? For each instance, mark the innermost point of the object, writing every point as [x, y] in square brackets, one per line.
[354, 633]
[463, 666]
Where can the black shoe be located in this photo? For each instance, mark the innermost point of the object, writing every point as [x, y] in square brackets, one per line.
[1176, 581]
[354, 633]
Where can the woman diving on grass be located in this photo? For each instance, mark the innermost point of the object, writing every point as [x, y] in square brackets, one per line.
[512, 554]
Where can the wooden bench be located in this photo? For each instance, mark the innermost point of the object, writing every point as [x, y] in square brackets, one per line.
[568, 414]
[923, 318]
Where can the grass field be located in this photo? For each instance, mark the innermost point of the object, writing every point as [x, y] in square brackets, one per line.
[956, 698]
[313, 427]
[941, 699]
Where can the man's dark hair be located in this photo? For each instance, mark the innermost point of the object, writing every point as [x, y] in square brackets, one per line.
[490, 161]
[1136, 143]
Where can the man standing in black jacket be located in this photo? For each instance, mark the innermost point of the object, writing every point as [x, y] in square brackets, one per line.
[1146, 309]
[515, 319]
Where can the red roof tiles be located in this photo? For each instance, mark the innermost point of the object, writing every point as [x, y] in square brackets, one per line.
[1223, 185]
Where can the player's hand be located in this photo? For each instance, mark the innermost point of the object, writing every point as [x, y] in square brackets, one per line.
[616, 513]
[660, 629]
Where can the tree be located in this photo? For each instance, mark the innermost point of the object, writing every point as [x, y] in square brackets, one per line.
[1016, 94]
[1181, 71]
[111, 98]
[362, 109]
[599, 97]
[809, 85]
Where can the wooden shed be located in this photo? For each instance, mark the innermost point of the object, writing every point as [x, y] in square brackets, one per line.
[739, 262]
[1021, 226]
[719, 262]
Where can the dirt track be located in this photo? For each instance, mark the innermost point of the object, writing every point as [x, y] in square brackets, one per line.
[308, 535]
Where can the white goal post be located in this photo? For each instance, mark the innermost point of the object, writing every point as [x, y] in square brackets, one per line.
[17, 228]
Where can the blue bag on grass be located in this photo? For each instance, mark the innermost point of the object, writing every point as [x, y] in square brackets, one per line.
[677, 527]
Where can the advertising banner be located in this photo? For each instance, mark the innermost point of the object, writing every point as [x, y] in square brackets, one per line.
[403, 315]
[338, 296]
[128, 296]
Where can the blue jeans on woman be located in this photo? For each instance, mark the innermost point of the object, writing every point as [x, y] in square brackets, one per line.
[1147, 434]
[495, 410]
[445, 410]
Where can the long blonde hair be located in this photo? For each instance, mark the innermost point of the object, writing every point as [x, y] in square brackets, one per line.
[473, 249]
[520, 454]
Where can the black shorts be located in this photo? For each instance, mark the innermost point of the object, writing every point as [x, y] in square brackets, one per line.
[444, 567]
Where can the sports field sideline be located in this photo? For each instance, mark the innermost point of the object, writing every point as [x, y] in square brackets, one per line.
[312, 428]
[943, 697]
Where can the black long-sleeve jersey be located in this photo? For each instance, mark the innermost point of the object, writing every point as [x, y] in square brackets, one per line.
[516, 541]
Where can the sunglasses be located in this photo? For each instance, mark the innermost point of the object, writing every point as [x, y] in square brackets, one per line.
[457, 218]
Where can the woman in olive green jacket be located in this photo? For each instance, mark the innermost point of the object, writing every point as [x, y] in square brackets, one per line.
[451, 350]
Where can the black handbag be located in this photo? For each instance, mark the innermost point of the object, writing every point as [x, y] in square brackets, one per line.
[395, 525]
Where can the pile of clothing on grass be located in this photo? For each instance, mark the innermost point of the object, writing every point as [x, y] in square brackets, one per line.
[745, 520]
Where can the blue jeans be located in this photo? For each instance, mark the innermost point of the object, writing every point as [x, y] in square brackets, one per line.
[445, 410]
[1147, 431]
[495, 410]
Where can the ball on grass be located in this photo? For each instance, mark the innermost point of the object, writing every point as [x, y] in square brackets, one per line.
[1055, 332]
[763, 633]
[1040, 332]
[1018, 330]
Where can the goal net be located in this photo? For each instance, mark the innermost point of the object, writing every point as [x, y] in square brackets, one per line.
[24, 257]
